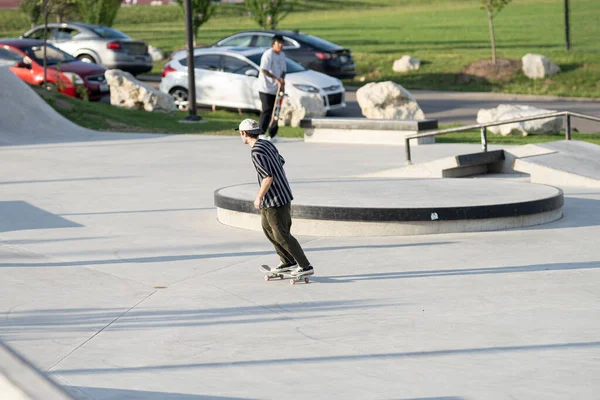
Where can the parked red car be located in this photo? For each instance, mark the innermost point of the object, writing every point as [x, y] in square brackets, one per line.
[24, 57]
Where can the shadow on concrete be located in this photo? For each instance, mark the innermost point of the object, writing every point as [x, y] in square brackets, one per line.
[120, 394]
[86, 319]
[457, 272]
[65, 180]
[35, 241]
[163, 259]
[81, 392]
[142, 211]
[20, 215]
[577, 212]
[341, 358]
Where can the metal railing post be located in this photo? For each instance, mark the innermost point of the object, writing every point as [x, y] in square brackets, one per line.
[484, 143]
[568, 130]
[407, 150]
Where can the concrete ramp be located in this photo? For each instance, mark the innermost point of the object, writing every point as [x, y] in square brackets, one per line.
[564, 163]
[28, 119]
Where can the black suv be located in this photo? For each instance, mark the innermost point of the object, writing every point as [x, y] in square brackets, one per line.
[310, 51]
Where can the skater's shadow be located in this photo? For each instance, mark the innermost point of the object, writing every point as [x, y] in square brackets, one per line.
[456, 272]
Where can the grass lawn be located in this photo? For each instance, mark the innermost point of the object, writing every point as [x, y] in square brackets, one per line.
[446, 35]
[475, 137]
[100, 116]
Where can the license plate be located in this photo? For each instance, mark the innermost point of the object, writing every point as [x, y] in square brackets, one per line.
[140, 58]
[104, 87]
[343, 59]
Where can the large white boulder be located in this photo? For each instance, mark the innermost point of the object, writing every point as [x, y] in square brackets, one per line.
[388, 100]
[294, 110]
[406, 63]
[537, 66]
[128, 92]
[155, 53]
[506, 112]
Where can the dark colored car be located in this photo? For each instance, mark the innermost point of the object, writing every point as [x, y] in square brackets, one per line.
[24, 57]
[97, 44]
[310, 51]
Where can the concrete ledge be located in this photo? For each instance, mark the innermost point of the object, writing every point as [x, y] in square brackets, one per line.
[366, 131]
[400, 206]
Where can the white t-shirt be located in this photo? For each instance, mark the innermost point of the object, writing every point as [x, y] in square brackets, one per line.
[275, 64]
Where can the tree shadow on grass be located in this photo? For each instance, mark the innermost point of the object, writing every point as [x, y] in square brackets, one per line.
[570, 67]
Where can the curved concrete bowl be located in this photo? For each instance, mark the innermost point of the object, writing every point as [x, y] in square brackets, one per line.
[387, 207]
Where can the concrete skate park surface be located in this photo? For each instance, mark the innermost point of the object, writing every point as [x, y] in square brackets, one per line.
[119, 282]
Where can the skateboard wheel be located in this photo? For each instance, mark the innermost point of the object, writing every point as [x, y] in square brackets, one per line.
[267, 278]
[280, 276]
[292, 281]
[306, 280]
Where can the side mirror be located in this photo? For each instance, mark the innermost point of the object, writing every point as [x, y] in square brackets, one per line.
[251, 72]
[23, 64]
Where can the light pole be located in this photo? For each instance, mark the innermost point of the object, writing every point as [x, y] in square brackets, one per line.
[190, 63]
[567, 28]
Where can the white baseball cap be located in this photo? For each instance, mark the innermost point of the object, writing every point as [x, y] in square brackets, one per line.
[249, 125]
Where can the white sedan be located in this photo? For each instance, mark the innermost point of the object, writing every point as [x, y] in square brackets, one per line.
[227, 77]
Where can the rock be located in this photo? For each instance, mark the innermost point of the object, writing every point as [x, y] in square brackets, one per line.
[128, 92]
[505, 112]
[294, 110]
[155, 52]
[536, 66]
[406, 63]
[388, 100]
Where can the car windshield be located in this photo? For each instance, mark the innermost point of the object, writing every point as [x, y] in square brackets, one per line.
[53, 55]
[291, 65]
[320, 44]
[108, 33]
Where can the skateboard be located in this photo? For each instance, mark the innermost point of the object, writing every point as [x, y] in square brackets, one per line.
[271, 275]
[277, 109]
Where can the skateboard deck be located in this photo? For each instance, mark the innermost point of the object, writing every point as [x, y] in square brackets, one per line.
[277, 109]
[272, 275]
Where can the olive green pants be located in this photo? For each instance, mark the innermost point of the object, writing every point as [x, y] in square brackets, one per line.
[276, 224]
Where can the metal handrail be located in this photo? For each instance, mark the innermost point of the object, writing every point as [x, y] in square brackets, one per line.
[483, 127]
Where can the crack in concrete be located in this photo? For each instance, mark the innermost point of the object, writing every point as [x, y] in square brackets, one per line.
[97, 333]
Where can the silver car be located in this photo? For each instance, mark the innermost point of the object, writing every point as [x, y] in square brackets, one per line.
[227, 77]
[97, 44]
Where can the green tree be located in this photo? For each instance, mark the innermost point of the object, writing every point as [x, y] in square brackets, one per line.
[66, 10]
[492, 8]
[269, 13]
[32, 10]
[202, 10]
[99, 12]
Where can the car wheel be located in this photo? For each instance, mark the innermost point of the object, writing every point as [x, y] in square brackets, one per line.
[86, 58]
[180, 96]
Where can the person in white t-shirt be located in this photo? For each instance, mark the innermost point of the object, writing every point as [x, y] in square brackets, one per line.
[271, 76]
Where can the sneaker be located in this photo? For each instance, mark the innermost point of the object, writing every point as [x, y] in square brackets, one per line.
[284, 267]
[301, 272]
[273, 139]
[263, 137]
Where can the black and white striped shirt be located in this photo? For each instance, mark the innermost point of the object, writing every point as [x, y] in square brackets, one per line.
[268, 162]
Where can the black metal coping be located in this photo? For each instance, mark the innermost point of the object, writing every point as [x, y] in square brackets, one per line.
[362, 214]
[370, 124]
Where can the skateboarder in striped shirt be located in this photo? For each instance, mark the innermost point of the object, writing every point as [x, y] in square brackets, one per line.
[274, 201]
